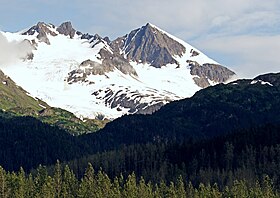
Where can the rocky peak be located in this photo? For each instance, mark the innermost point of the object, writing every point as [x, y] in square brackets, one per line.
[43, 30]
[150, 45]
[39, 28]
[66, 29]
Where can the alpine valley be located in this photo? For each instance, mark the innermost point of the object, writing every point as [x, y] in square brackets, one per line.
[96, 78]
[180, 126]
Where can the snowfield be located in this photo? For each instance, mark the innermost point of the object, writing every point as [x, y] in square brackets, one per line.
[45, 77]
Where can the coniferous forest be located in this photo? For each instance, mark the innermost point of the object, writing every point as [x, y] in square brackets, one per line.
[222, 142]
[64, 183]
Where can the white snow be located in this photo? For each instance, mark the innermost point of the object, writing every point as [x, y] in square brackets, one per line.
[45, 77]
[262, 82]
[42, 106]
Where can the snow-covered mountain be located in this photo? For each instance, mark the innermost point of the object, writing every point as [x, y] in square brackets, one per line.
[92, 76]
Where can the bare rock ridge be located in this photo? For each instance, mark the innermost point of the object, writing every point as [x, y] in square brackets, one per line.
[42, 29]
[214, 72]
[66, 29]
[134, 101]
[116, 60]
[149, 45]
[87, 68]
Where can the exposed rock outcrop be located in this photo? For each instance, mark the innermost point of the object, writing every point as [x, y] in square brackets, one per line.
[214, 72]
[91, 37]
[86, 68]
[116, 60]
[201, 82]
[194, 53]
[149, 45]
[134, 102]
[43, 30]
[66, 29]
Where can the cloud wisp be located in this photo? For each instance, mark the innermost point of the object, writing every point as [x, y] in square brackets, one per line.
[13, 51]
[252, 55]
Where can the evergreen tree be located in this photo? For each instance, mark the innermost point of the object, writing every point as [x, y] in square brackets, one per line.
[240, 189]
[57, 178]
[268, 188]
[171, 191]
[180, 188]
[41, 179]
[20, 191]
[103, 185]
[69, 184]
[48, 189]
[116, 188]
[4, 191]
[30, 186]
[88, 183]
[144, 190]
[130, 187]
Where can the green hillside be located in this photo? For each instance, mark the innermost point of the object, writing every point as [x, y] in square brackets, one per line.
[15, 101]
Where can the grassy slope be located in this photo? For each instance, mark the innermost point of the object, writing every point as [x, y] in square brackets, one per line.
[15, 100]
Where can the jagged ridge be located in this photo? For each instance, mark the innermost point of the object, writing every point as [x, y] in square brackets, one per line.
[77, 65]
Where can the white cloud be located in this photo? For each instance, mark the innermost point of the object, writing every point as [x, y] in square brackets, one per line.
[236, 29]
[12, 51]
[253, 54]
[188, 16]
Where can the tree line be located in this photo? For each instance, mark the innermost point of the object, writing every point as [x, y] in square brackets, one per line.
[64, 183]
[246, 154]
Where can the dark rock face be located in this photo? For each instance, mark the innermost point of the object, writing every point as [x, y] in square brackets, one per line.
[201, 82]
[131, 100]
[109, 63]
[87, 68]
[66, 29]
[213, 72]
[116, 60]
[194, 53]
[42, 29]
[149, 45]
[90, 37]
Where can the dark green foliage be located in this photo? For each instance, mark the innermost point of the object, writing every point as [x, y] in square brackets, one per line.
[68, 121]
[246, 154]
[99, 185]
[221, 136]
[28, 142]
[210, 112]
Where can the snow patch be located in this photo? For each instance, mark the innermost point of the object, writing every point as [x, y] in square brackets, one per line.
[262, 82]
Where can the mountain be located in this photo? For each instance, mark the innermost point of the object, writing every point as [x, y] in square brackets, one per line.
[94, 77]
[15, 101]
[214, 111]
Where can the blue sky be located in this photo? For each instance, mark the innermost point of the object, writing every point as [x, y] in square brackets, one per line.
[241, 34]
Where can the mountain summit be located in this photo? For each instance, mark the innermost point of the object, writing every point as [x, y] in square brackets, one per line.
[149, 45]
[93, 76]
